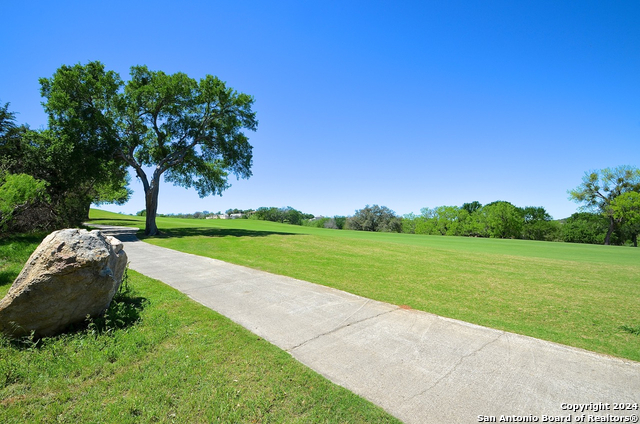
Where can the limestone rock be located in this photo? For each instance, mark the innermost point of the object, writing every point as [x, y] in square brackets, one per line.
[72, 274]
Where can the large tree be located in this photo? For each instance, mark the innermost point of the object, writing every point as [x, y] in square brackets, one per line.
[187, 130]
[601, 187]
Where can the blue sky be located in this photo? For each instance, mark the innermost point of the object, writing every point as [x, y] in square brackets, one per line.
[402, 104]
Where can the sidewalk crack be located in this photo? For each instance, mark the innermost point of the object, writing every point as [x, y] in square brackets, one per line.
[453, 369]
[340, 327]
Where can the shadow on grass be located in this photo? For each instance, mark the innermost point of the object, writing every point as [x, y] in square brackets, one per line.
[6, 278]
[115, 222]
[212, 232]
[123, 312]
[105, 220]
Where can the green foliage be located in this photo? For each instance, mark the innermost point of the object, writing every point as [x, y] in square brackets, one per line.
[626, 208]
[538, 225]
[631, 329]
[600, 188]
[547, 230]
[194, 215]
[626, 211]
[81, 102]
[189, 130]
[245, 212]
[502, 220]
[317, 223]
[334, 223]
[442, 220]
[339, 222]
[123, 312]
[77, 171]
[8, 127]
[585, 227]
[374, 218]
[172, 114]
[471, 207]
[497, 220]
[17, 193]
[409, 223]
[286, 215]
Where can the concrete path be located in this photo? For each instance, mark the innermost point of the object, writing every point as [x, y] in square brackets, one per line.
[419, 367]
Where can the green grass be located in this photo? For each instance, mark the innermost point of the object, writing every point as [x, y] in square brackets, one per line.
[579, 295]
[160, 357]
[14, 252]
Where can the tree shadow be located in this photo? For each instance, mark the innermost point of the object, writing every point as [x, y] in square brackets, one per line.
[6, 278]
[115, 219]
[213, 232]
[124, 222]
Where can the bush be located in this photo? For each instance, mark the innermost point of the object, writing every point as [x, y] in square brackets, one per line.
[585, 227]
[316, 222]
[286, 215]
[374, 218]
[21, 196]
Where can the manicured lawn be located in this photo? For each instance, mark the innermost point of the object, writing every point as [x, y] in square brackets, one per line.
[160, 357]
[579, 295]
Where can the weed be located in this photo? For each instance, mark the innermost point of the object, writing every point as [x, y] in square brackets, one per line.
[629, 329]
[124, 310]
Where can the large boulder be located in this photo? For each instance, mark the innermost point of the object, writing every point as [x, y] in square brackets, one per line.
[72, 274]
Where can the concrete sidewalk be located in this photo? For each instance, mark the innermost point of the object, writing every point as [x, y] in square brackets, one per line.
[419, 367]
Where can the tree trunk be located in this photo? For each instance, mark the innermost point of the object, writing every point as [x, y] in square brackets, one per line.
[635, 240]
[607, 238]
[151, 198]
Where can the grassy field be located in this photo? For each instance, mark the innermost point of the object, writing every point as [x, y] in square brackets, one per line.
[579, 295]
[160, 357]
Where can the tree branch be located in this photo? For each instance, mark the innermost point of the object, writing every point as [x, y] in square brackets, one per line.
[176, 157]
[130, 160]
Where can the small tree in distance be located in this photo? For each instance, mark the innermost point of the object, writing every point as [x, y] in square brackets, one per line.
[374, 218]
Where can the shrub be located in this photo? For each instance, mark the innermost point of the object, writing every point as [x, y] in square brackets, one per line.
[375, 218]
[585, 227]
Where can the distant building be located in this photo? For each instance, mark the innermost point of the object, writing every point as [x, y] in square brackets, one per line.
[225, 216]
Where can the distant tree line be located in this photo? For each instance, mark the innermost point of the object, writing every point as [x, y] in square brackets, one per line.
[498, 219]
[336, 222]
[50, 177]
[287, 215]
[610, 215]
[194, 215]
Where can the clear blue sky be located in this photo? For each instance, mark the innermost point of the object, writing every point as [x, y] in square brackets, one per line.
[403, 104]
